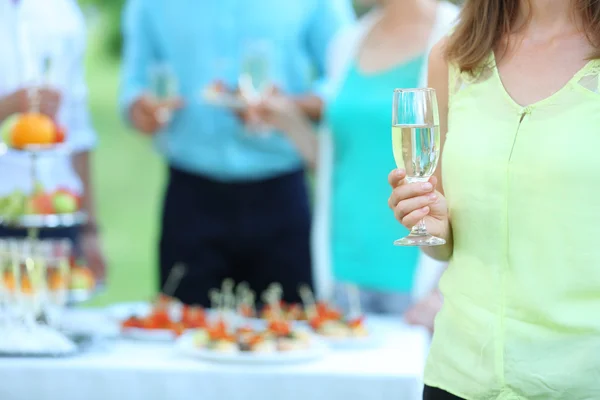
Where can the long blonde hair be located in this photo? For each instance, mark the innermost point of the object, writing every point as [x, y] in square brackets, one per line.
[484, 23]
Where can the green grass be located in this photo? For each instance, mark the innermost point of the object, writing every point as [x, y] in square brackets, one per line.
[128, 178]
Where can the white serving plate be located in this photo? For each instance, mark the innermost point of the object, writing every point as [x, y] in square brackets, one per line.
[148, 335]
[317, 350]
[226, 100]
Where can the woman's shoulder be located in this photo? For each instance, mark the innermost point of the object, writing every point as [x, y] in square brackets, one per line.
[438, 61]
[345, 43]
[350, 36]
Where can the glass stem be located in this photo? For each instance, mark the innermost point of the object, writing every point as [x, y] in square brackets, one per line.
[34, 99]
[419, 229]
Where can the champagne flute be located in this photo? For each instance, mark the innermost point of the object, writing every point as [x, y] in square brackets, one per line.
[255, 79]
[164, 86]
[255, 74]
[416, 146]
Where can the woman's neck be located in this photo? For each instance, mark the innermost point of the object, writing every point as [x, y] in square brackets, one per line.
[396, 11]
[547, 17]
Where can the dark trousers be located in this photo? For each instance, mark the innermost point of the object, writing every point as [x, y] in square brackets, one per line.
[431, 393]
[257, 232]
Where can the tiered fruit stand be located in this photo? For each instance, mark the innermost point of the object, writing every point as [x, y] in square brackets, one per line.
[31, 221]
[38, 276]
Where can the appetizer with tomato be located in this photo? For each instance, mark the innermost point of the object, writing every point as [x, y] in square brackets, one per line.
[163, 317]
[290, 312]
[330, 322]
[278, 337]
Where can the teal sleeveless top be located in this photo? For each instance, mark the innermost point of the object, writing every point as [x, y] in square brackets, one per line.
[362, 227]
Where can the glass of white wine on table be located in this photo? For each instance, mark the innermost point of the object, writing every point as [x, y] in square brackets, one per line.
[416, 146]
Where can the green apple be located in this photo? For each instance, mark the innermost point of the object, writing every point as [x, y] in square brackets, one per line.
[64, 203]
[6, 128]
[14, 204]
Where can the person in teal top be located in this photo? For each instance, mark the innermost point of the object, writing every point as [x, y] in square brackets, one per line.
[366, 63]
[359, 120]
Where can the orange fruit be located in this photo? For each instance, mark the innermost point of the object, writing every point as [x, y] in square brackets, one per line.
[32, 129]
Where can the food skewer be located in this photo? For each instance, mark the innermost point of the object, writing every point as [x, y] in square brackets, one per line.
[228, 301]
[271, 297]
[215, 300]
[308, 299]
[174, 279]
[241, 291]
[245, 301]
[227, 293]
[250, 302]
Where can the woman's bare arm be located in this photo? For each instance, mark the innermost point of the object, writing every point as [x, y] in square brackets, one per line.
[438, 80]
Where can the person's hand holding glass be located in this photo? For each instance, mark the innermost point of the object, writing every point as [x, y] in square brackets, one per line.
[416, 146]
[256, 84]
[152, 111]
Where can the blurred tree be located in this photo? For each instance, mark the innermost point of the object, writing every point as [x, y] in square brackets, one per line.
[109, 12]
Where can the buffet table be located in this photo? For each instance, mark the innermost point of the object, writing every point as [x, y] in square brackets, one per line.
[123, 369]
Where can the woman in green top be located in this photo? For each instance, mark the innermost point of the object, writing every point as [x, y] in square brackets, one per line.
[519, 84]
[387, 49]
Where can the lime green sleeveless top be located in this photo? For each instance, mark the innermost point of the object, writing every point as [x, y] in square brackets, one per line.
[521, 314]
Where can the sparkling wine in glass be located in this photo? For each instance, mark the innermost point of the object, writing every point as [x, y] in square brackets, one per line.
[256, 78]
[255, 73]
[164, 86]
[416, 146]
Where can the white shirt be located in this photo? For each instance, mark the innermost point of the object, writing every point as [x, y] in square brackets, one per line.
[31, 31]
[342, 52]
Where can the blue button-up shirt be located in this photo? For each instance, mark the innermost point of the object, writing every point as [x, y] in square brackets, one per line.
[203, 41]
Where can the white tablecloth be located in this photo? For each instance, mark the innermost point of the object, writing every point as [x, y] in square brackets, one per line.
[129, 370]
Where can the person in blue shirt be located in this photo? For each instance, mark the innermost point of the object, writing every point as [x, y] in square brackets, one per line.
[236, 204]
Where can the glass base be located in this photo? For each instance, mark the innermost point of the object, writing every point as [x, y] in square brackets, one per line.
[419, 240]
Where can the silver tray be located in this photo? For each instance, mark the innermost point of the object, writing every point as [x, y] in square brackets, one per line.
[37, 150]
[46, 221]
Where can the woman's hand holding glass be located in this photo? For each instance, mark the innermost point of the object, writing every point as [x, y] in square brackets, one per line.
[413, 202]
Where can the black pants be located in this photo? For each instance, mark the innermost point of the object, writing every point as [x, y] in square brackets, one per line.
[431, 393]
[257, 232]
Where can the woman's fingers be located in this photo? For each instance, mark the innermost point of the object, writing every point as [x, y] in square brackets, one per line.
[407, 206]
[409, 191]
[396, 177]
[414, 217]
